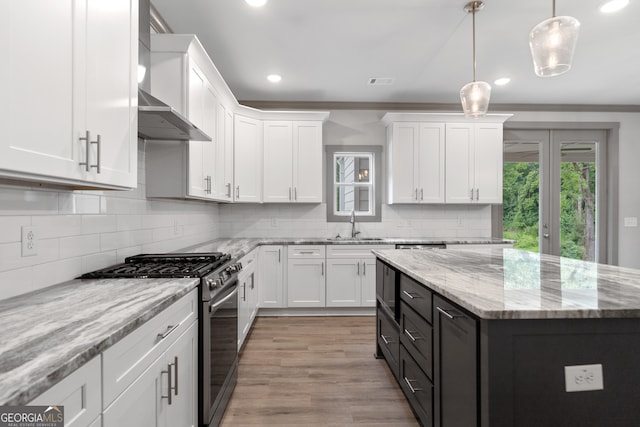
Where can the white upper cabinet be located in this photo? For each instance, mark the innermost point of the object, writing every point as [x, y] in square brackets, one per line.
[223, 173]
[248, 137]
[439, 158]
[292, 161]
[66, 74]
[416, 162]
[474, 162]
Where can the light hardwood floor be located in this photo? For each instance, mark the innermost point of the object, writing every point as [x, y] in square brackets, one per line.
[315, 371]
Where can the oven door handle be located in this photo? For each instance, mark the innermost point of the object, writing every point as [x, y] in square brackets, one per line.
[223, 300]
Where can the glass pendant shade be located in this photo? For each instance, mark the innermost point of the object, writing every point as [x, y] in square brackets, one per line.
[475, 98]
[552, 44]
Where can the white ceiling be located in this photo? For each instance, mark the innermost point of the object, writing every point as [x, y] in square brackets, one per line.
[326, 50]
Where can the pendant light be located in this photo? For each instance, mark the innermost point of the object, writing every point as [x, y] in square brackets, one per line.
[552, 43]
[475, 95]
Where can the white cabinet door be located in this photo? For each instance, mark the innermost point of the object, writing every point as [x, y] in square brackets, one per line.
[306, 283]
[343, 283]
[488, 162]
[430, 158]
[112, 89]
[278, 161]
[307, 162]
[210, 105]
[196, 184]
[402, 162]
[247, 159]
[368, 278]
[65, 72]
[459, 162]
[244, 311]
[223, 157]
[182, 359]
[271, 277]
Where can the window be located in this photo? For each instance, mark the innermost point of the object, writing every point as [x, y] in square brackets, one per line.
[353, 183]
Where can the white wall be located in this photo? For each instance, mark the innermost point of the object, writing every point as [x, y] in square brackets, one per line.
[81, 231]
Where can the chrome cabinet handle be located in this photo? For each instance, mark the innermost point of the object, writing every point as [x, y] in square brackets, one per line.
[228, 189]
[170, 328]
[422, 194]
[87, 143]
[471, 195]
[477, 194]
[410, 295]
[416, 194]
[244, 291]
[408, 381]
[358, 268]
[295, 193]
[364, 268]
[322, 271]
[306, 252]
[175, 368]
[289, 193]
[279, 256]
[169, 387]
[446, 313]
[410, 335]
[386, 341]
[237, 192]
[98, 142]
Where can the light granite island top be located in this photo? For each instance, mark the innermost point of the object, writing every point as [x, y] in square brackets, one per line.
[515, 284]
[48, 334]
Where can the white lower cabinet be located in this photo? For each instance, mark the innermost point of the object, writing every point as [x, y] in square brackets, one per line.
[165, 394]
[351, 275]
[247, 295]
[271, 291]
[306, 276]
[79, 393]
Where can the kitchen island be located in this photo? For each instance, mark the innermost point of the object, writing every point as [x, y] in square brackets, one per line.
[483, 338]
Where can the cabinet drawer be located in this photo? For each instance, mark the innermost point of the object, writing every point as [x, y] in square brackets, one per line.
[79, 393]
[354, 251]
[416, 296]
[306, 251]
[128, 358]
[417, 388]
[389, 340]
[417, 336]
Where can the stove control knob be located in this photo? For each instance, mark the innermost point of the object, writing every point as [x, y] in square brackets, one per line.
[213, 284]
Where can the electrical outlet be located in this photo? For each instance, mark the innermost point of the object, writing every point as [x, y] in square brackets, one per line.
[583, 377]
[630, 221]
[29, 241]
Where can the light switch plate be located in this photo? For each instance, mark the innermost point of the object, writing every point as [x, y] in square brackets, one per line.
[630, 221]
[583, 377]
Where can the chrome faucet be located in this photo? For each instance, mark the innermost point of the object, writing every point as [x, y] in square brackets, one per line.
[352, 220]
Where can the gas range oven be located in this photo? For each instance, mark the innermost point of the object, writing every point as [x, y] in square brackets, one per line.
[218, 317]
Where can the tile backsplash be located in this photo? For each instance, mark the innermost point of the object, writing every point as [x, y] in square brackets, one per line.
[81, 231]
[288, 220]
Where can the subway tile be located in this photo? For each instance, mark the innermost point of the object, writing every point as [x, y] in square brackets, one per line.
[11, 254]
[11, 227]
[129, 222]
[79, 245]
[15, 282]
[98, 261]
[56, 272]
[77, 203]
[140, 237]
[92, 224]
[50, 226]
[28, 202]
[122, 253]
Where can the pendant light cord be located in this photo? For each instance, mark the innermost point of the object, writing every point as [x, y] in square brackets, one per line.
[554, 9]
[473, 19]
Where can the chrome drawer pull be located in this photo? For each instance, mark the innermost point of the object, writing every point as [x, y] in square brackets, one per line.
[410, 295]
[169, 388]
[413, 389]
[408, 333]
[170, 328]
[450, 316]
[386, 341]
[175, 366]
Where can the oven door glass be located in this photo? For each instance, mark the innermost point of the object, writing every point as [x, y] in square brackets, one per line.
[223, 351]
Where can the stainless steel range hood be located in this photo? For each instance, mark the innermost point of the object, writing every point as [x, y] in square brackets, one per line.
[159, 121]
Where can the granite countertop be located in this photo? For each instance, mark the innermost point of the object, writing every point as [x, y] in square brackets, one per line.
[239, 247]
[48, 334]
[515, 284]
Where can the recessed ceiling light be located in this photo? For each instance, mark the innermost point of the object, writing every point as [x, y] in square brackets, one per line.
[274, 78]
[502, 81]
[256, 3]
[613, 6]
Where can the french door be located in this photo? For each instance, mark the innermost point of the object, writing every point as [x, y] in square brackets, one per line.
[554, 197]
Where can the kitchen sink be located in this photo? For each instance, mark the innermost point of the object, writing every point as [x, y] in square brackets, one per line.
[355, 239]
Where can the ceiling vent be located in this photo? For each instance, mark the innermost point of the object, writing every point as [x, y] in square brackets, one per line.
[381, 81]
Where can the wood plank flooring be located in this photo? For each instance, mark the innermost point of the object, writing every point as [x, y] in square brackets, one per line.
[315, 371]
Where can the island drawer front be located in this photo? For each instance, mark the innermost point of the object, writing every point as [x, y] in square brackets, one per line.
[417, 387]
[306, 251]
[123, 362]
[354, 251]
[417, 336]
[389, 340]
[417, 297]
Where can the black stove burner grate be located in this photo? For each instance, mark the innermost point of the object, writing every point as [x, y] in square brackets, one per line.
[178, 265]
